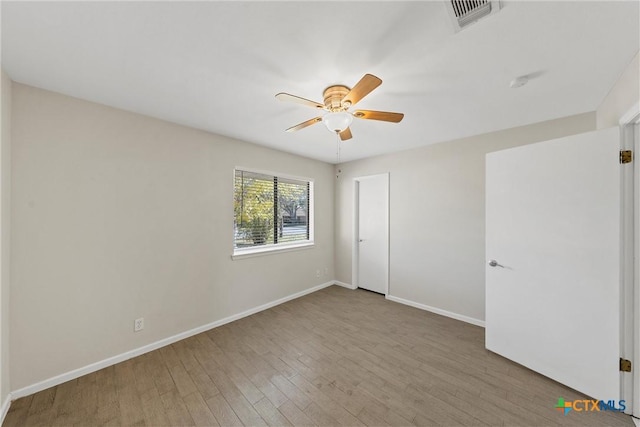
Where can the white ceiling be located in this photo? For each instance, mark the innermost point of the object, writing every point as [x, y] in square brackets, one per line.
[217, 65]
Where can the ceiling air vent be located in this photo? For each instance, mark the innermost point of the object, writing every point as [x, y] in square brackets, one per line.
[466, 12]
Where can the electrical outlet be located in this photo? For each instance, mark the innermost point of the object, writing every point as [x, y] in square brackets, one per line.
[138, 324]
[318, 274]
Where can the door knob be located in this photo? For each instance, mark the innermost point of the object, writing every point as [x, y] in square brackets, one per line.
[361, 240]
[494, 263]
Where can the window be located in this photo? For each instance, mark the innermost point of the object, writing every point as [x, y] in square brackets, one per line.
[271, 212]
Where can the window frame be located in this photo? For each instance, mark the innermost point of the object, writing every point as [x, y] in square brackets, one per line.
[253, 251]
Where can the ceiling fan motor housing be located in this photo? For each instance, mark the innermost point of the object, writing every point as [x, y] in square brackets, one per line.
[333, 96]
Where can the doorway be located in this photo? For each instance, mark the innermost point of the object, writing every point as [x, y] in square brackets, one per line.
[371, 233]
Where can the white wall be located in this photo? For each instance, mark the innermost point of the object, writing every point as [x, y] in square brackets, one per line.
[118, 216]
[437, 214]
[5, 232]
[624, 94]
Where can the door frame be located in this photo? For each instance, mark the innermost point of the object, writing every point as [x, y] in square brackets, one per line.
[630, 292]
[355, 254]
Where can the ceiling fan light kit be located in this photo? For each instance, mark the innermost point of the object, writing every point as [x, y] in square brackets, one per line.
[338, 121]
[337, 101]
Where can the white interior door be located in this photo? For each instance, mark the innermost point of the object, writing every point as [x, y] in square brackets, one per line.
[553, 226]
[373, 233]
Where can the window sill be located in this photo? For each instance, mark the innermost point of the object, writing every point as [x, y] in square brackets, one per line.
[254, 252]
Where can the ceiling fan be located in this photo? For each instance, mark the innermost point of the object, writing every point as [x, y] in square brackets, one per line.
[337, 101]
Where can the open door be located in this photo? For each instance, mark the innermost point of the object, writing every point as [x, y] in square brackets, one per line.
[372, 233]
[553, 259]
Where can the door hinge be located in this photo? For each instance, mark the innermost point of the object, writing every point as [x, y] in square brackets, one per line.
[625, 365]
[626, 156]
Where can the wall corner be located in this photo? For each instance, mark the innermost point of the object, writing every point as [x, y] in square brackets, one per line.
[624, 94]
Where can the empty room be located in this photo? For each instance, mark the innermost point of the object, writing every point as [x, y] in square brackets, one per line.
[380, 213]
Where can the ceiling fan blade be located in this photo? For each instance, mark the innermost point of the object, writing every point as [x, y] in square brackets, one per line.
[292, 98]
[304, 124]
[385, 116]
[346, 134]
[366, 84]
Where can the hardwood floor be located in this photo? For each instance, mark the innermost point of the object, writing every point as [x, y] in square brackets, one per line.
[334, 357]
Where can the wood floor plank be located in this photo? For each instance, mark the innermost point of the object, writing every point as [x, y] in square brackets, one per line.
[271, 392]
[108, 405]
[318, 416]
[241, 406]
[185, 354]
[390, 398]
[65, 406]
[295, 415]
[176, 410]
[369, 418]
[143, 379]
[153, 409]
[294, 394]
[199, 410]
[18, 417]
[124, 375]
[170, 356]
[182, 380]
[204, 384]
[333, 408]
[246, 387]
[129, 404]
[477, 411]
[428, 405]
[163, 380]
[389, 416]
[88, 397]
[42, 401]
[284, 369]
[270, 413]
[222, 411]
[351, 399]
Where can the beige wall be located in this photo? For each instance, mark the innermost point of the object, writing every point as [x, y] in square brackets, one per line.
[437, 213]
[5, 232]
[119, 216]
[624, 94]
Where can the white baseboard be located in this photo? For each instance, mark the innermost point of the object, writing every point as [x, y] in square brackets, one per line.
[5, 408]
[435, 310]
[76, 373]
[344, 285]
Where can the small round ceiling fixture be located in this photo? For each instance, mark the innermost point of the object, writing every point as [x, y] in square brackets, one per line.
[519, 82]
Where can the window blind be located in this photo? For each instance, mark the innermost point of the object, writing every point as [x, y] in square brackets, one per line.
[270, 210]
